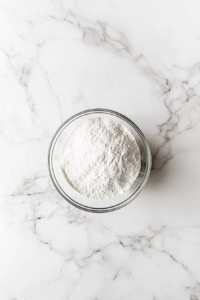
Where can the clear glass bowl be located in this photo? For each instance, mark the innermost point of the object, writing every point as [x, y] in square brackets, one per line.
[71, 195]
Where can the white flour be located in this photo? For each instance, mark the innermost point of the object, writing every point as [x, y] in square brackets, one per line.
[101, 159]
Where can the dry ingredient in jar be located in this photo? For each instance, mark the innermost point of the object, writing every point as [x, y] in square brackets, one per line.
[101, 159]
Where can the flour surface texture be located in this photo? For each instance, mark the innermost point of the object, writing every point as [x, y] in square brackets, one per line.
[101, 159]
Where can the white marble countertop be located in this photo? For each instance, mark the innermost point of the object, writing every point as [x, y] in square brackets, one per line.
[142, 59]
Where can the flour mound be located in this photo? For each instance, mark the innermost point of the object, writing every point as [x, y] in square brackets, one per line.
[101, 159]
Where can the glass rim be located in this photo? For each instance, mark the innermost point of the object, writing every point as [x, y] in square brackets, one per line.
[67, 197]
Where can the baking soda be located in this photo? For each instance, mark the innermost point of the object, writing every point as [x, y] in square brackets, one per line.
[101, 159]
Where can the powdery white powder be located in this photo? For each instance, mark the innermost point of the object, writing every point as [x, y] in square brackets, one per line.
[101, 159]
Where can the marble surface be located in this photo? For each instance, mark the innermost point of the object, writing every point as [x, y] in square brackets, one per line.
[138, 57]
